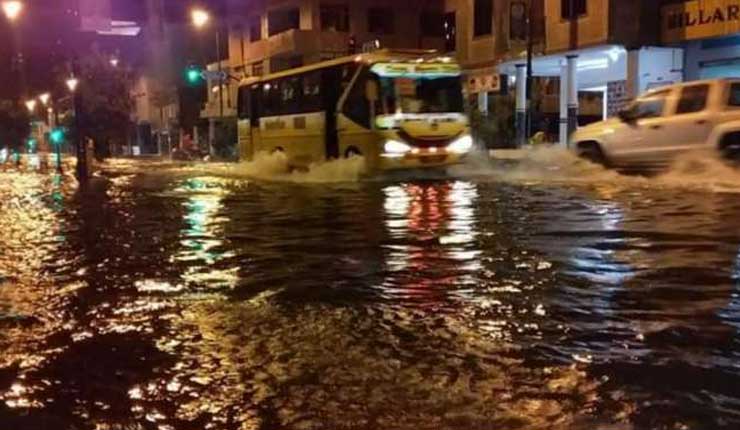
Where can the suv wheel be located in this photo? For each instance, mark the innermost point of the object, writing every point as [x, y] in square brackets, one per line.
[730, 146]
[593, 153]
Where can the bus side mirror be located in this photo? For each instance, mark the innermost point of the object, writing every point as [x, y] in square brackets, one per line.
[372, 92]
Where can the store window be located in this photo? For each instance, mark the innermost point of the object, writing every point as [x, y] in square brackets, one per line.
[334, 17]
[571, 9]
[693, 99]
[483, 18]
[380, 20]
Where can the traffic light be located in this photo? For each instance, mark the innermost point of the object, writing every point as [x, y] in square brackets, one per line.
[57, 136]
[193, 75]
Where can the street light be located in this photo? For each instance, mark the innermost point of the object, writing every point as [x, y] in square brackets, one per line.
[12, 9]
[72, 83]
[44, 98]
[31, 105]
[80, 147]
[200, 17]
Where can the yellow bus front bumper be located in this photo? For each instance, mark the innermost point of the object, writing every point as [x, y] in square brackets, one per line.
[420, 161]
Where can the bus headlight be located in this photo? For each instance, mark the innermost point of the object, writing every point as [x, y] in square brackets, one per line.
[462, 145]
[394, 147]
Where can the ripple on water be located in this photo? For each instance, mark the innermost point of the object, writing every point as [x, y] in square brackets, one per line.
[178, 297]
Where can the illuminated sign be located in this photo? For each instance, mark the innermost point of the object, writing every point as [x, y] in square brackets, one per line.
[700, 19]
[411, 70]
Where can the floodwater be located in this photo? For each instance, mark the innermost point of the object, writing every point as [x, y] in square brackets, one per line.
[540, 294]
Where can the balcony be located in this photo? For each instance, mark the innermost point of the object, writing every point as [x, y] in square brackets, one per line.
[308, 42]
[295, 42]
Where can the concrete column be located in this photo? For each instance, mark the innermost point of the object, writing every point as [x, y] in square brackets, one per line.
[572, 66]
[521, 104]
[211, 134]
[633, 73]
[483, 102]
[563, 105]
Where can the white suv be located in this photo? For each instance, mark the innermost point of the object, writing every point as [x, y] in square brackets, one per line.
[664, 123]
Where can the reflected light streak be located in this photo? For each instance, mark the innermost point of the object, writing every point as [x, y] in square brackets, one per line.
[436, 225]
[202, 238]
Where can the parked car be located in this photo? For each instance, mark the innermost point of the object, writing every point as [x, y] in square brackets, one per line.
[664, 123]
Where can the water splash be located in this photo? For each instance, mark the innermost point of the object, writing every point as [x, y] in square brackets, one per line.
[536, 164]
[700, 170]
[275, 167]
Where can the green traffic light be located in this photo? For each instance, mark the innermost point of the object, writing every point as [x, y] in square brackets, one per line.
[57, 135]
[193, 75]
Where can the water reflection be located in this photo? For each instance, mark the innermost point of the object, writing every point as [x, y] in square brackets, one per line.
[204, 252]
[432, 229]
[424, 304]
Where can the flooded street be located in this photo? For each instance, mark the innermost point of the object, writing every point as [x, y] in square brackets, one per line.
[544, 296]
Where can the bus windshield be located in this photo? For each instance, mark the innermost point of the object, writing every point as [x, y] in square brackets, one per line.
[419, 95]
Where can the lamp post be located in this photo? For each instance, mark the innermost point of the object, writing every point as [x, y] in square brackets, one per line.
[80, 147]
[200, 18]
[12, 9]
[45, 100]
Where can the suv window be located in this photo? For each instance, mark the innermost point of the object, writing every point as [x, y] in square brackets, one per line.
[649, 107]
[734, 99]
[693, 99]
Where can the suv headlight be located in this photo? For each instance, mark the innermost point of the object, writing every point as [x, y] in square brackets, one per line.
[395, 147]
[462, 145]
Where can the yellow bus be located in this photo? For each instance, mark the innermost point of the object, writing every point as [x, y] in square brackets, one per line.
[397, 110]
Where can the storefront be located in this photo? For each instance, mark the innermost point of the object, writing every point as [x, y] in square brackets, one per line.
[709, 33]
[591, 78]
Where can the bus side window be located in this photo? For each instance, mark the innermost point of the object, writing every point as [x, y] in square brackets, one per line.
[254, 105]
[311, 92]
[357, 107]
[270, 98]
[243, 103]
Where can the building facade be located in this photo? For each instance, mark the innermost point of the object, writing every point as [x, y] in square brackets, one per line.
[590, 57]
[268, 36]
[708, 32]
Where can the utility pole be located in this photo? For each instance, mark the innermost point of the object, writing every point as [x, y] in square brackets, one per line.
[82, 169]
[220, 73]
[530, 47]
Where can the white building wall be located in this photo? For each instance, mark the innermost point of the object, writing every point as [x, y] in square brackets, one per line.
[651, 67]
[695, 56]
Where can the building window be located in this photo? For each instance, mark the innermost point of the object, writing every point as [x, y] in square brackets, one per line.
[282, 63]
[571, 9]
[255, 29]
[282, 20]
[483, 18]
[432, 24]
[334, 17]
[380, 20]
[450, 26]
[258, 68]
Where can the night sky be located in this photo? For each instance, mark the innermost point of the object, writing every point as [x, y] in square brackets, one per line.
[48, 36]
